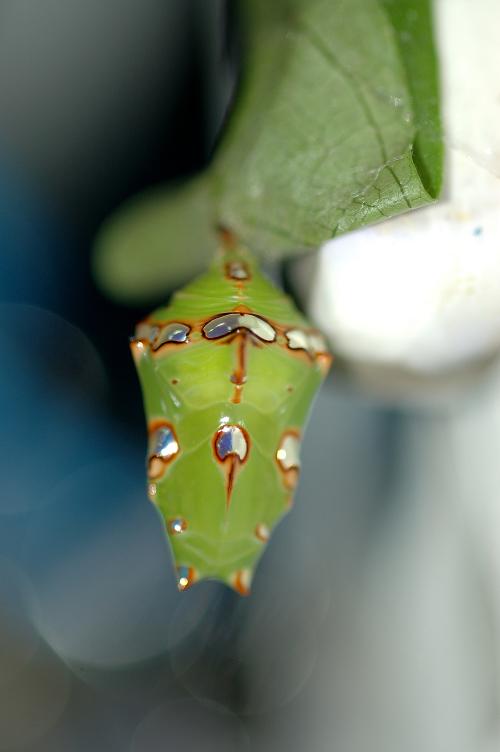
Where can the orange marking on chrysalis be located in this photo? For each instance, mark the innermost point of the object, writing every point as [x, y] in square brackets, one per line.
[236, 398]
[230, 479]
[239, 375]
[243, 309]
[240, 372]
[324, 360]
[291, 478]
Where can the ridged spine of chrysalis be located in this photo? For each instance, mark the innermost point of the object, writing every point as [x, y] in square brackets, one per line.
[228, 371]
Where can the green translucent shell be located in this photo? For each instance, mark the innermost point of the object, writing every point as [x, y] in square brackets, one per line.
[228, 372]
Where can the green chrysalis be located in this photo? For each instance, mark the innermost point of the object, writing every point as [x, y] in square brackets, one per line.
[228, 372]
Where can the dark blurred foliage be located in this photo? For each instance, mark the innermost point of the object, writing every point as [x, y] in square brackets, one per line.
[100, 102]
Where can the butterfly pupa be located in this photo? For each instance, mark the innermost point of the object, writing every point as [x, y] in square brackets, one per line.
[228, 370]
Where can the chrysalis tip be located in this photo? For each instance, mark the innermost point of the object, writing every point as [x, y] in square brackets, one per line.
[186, 576]
[241, 581]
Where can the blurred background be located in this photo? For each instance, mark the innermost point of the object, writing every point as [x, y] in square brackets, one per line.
[374, 619]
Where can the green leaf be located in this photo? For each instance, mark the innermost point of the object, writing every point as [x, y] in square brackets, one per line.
[156, 242]
[336, 126]
[412, 23]
[332, 147]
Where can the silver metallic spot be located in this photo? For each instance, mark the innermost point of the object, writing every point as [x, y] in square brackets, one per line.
[173, 332]
[258, 327]
[162, 443]
[312, 342]
[297, 339]
[177, 525]
[262, 532]
[230, 440]
[237, 270]
[185, 577]
[220, 326]
[317, 343]
[152, 491]
[288, 452]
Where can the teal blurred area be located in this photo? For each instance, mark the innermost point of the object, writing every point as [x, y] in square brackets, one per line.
[373, 624]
